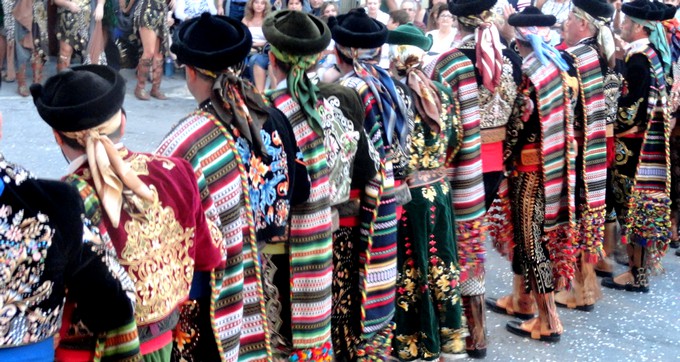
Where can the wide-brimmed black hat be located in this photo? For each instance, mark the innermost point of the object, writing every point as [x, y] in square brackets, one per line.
[295, 32]
[79, 98]
[409, 34]
[596, 8]
[470, 7]
[643, 9]
[212, 42]
[531, 16]
[357, 30]
[668, 9]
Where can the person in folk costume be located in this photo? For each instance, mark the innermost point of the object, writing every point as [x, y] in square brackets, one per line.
[428, 272]
[328, 141]
[52, 256]
[589, 54]
[388, 123]
[497, 74]
[539, 157]
[28, 33]
[79, 23]
[245, 153]
[465, 172]
[672, 26]
[641, 182]
[160, 239]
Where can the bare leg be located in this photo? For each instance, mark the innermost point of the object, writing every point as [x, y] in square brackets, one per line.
[260, 77]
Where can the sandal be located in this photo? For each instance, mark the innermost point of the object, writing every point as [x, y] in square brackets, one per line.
[492, 303]
[515, 327]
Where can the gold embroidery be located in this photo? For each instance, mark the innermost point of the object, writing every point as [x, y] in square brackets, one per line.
[157, 259]
[139, 162]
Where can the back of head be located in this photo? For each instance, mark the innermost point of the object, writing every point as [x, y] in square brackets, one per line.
[296, 33]
[357, 30]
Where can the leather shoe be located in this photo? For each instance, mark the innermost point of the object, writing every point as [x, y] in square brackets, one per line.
[610, 283]
[492, 303]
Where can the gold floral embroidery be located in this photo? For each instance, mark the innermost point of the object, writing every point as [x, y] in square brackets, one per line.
[429, 192]
[139, 162]
[409, 347]
[452, 340]
[157, 259]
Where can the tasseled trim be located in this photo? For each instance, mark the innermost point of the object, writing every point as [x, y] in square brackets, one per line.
[498, 221]
[378, 348]
[562, 249]
[317, 354]
[471, 251]
[592, 233]
[648, 224]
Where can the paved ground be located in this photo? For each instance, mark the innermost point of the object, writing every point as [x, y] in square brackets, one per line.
[623, 326]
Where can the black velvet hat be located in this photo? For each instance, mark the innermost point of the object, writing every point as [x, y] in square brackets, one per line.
[643, 9]
[531, 16]
[669, 10]
[212, 42]
[357, 30]
[79, 98]
[295, 32]
[595, 8]
[470, 7]
[409, 34]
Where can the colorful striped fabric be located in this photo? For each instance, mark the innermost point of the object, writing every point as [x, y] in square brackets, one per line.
[310, 241]
[213, 155]
[465, 167]
[647, 219]
[558, 160]
[594, 149]
[378, 228]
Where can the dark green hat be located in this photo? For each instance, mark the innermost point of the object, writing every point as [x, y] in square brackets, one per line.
[409, 34]
[295, 32]
[79, 98]
[211, 42]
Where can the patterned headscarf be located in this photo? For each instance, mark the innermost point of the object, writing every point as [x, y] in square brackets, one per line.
[538, 37]
[238, 103]
[302, 89]
[407, 60]
[381, 85]
[488, 47]
[109, 171]
[657, 37]
[605, 38]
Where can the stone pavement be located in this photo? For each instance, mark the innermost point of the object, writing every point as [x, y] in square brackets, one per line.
[623, 327]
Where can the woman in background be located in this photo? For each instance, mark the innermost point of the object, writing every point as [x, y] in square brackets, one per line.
[445, 34]
[255, 12]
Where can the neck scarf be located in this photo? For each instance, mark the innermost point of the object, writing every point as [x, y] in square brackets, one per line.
[605, 38]
[673, 30]
[407, 60]
[538, 36]
[301, 88]
[110, 172]
[390, 104]
[657, 37]
[237, 102]
[488, 47]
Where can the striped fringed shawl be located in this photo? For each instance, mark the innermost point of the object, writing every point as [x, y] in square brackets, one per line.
[378, 233]
[593, 150]
[647, 220]
[465, 167]
[310, 240]
[559, 179]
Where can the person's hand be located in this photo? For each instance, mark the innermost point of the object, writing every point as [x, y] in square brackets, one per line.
[617, 5]
[620, 47]
[220, 10]
[170, 20]
[73, 7]
[278, 5]
[99, 12]
[505, 30]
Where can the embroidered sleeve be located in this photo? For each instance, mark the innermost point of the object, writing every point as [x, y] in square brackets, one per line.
[636, 90]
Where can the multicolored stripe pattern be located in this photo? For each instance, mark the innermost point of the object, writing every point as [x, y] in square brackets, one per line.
[378, 229]
[558, 163]
[465, 167]
[310, 240]
[594, 149]
[213, 158]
